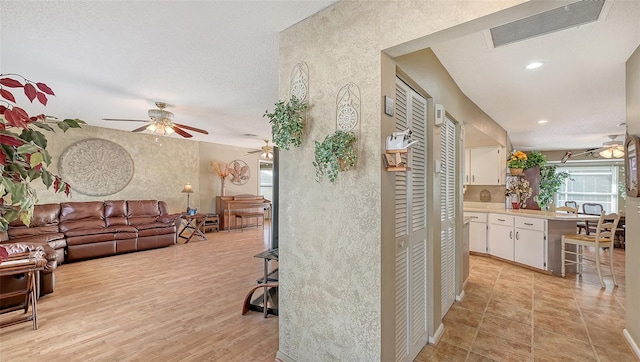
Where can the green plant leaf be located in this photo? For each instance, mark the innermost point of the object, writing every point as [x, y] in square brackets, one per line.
[27, 148]
[334, 154]
[36, 159]
[43, 126]
[47, 178]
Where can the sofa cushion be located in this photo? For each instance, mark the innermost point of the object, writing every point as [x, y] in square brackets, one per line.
[142, 211]
[45, 220]
[154, 225]
[108, 230]
[52, 238]
[156, 231]
[81, 216]
[115, 212]
[97, 238]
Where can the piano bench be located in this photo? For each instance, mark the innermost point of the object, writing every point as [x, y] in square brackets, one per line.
[243, 215]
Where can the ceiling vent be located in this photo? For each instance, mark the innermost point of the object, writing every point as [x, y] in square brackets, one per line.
[568, 16]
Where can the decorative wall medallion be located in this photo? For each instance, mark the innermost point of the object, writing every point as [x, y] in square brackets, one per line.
[239, 172]
[96, 167]
[347, 107]
[300, 81]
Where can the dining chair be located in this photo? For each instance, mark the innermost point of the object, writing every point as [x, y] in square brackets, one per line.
[571, 204]
[568, 209]
[590, 208]
[603, 238]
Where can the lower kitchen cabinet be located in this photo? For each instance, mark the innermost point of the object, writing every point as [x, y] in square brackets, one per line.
[530, 242]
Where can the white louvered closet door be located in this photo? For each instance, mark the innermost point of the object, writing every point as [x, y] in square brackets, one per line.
[411, 234]
[447, 213]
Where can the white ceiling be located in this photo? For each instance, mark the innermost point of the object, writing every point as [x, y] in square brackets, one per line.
[216, 62]
[580, 90]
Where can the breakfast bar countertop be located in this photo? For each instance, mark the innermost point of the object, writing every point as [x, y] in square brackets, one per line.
[548, 215]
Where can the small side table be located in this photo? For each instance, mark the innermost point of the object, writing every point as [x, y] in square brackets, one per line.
[30, 266]
[270, 285]
[194, 224]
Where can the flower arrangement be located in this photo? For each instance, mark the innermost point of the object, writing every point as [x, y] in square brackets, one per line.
[521, 188]
[222, 170]
[517, 159]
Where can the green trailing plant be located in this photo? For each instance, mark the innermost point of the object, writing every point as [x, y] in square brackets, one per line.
[335, 153]
[535, 159]
[550, 182]
[287, 123]
[23, 149]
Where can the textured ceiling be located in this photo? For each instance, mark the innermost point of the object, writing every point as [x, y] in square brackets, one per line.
[580, 90]
[215, 62]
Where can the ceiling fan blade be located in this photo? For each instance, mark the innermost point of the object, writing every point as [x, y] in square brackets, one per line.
[180, 131]
[252, 152]
[140, 129]
[124, 120]
[191, 128]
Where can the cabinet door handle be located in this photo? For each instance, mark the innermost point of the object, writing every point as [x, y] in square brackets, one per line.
[528, 223]
[473, 178]
[517, 235]
[502, 220]
[473, 217]
[510, 234]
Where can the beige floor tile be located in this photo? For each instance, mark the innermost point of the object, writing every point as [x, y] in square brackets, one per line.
[462, 316]
[568, 312]
[500, 349]
[607, 337]
[608, 354]
[572, 329]
[558, 345]
[474, 357]
[507, 329]
[524, 301]
[442, 352]
[474, 302]
[509, 310]
[459, 335]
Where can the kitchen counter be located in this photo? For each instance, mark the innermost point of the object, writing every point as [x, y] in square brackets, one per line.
[547, 215]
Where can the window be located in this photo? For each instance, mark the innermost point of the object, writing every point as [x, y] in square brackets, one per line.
[596, 184]
[265, 181]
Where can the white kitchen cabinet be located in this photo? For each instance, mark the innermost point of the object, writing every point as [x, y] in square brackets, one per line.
[501, 236]
[487, 166]
[530, 242]
[477, 231]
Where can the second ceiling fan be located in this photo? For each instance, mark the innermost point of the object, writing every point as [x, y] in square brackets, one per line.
[161, 122]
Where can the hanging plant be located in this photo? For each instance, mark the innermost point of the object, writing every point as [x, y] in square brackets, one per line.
[336, 153]
[287, 122]
[535, 159]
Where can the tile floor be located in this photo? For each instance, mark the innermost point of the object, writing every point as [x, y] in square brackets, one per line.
[511, 313]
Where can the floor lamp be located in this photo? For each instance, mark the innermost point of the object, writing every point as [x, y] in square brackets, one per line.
[188, 190]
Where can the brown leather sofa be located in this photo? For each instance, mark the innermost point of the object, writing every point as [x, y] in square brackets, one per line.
[86, 230]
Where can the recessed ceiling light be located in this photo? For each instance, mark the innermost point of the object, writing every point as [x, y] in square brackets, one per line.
[542, 121]
[534, 65]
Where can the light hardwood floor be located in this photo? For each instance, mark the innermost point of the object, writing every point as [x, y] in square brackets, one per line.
[180, 303]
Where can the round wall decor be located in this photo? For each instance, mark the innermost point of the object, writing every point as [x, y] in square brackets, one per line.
[239, 172]
[96, 167]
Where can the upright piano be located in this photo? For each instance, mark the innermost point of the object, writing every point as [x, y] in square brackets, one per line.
[227, 206]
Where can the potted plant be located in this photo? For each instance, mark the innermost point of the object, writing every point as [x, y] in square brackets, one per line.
[535, 159]
[23, 149]
[520, 190]
[287, 122]
[336, 153]
[516, 162]
[550, 182]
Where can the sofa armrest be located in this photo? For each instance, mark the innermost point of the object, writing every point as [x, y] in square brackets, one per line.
[44, 250]
[168, 218]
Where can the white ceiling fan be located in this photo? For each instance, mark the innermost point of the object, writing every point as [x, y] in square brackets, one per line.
[267, 151]
[610, 149]
[161, 122]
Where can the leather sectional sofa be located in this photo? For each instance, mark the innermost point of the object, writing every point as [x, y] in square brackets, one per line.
[86, 230]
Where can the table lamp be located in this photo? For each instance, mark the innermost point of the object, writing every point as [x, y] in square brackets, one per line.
[188, 190]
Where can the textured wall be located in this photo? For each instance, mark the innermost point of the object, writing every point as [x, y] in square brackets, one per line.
[632, 253]
[160, 168]
[330, 235]
[210, 185]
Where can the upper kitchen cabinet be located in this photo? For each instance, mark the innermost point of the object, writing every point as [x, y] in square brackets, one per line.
[485, 165]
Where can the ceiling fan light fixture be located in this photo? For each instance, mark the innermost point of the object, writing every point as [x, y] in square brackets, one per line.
[266, 156]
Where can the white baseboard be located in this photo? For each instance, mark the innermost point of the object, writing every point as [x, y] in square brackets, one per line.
[460, 297]
[632, 343]
[436, 337]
